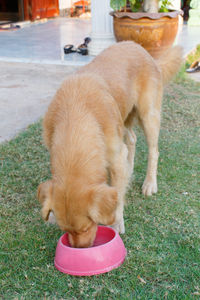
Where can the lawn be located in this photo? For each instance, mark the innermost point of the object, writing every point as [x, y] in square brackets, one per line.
[162, 232]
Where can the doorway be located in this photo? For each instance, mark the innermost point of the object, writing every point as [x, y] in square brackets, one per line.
[11, 11]
[20, 10]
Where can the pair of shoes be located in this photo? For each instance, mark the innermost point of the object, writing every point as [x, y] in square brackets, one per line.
[195, 67]
[82, 49]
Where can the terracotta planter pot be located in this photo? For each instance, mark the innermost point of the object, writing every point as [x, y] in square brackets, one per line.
[156, 32]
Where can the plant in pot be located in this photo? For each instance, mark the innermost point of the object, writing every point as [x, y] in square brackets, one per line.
[147, 22]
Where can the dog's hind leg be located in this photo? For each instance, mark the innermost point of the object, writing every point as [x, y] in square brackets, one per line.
[151, 125]
[119, 172]
[148, 113]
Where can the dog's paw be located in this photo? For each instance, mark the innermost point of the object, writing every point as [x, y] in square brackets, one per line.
[149, 188]
[119, 227]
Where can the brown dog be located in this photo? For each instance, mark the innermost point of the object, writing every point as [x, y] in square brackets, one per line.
[88, 131]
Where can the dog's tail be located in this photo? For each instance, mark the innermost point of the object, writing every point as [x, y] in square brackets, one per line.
[170, 62]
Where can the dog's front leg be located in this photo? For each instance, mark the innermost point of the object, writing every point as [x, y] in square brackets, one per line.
[130, 140]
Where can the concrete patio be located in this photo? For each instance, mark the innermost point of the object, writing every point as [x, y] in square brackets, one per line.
[33, 65]
[25, 92]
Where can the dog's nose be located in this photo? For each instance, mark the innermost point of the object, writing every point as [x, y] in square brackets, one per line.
[78, 241]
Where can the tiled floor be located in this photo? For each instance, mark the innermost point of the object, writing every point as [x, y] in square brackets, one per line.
[43, 42]
[188, 37]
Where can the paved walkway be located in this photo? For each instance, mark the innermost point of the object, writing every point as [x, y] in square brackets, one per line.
[25, 92]
[33, 65]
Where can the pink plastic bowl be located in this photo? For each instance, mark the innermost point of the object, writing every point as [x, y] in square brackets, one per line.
[107, 253]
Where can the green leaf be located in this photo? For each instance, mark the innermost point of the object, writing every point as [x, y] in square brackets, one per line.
[135, 5]
[132, 2]
[164, 4]
[117, 4]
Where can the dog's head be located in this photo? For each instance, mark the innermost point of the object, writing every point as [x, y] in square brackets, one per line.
[78, 213]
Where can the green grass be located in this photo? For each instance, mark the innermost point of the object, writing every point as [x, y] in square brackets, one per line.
[162, 232]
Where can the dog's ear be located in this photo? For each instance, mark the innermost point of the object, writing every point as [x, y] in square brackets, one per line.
[103, 204]
[44, 194]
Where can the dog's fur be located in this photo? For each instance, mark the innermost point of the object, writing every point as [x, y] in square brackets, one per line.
[88, 131]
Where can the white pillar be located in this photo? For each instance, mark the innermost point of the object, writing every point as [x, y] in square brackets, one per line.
[175, 4]
[102, 27]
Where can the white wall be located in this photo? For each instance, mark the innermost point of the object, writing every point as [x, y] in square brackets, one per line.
[64, 4]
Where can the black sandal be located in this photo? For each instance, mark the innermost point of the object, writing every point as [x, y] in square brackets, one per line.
[69, 49]
[82, 49]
